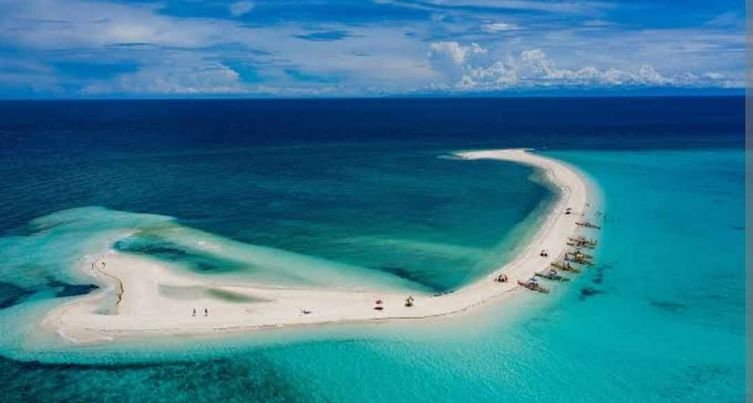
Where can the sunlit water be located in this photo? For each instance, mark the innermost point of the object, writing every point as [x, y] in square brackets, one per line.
[660, 318]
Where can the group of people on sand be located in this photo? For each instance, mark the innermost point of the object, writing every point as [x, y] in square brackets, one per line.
[206, 312]
[379, 304]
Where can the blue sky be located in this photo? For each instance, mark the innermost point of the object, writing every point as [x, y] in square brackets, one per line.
[284, 48]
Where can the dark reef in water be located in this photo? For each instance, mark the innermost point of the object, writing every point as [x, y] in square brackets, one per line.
[163, 249]
[70, 290]
[11, 294]
[251, 379]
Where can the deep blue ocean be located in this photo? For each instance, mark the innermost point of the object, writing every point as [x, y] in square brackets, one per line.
[358, 190]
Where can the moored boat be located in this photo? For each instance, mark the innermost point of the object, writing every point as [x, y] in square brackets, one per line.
[565, 267]
[551, 275]
[533, 285]
[582, 262]
[581, 238]
[580, 244]
[579, 258]
[579, 255]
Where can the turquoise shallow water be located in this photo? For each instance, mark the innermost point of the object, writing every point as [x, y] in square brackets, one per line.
[659, 319]
[355, 190]
[663, 320]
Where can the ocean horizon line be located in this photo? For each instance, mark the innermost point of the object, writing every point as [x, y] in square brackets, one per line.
[709, 93]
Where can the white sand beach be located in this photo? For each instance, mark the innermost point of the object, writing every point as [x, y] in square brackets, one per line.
[153, 299]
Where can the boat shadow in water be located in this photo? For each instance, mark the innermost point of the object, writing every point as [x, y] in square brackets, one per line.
[598, 278]
[668, 306]
[587, 292]
[599, 270]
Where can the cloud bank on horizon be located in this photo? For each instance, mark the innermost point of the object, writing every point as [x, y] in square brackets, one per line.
[119, 48]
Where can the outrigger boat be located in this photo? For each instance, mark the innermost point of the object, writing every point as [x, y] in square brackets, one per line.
[565, 267]
[533, 285]
[582, 239]
[579, 258]
[588, 225]
[581, 244]
[580, 261]
[579, 255]
[552, 275]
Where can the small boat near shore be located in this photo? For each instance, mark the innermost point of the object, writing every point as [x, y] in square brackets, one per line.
[580, 244]
[580, 261]
[587, 224]
[565, 267]
[533, 285]
[579, 258]
[579, 255]
[582, 241]
[551, 275]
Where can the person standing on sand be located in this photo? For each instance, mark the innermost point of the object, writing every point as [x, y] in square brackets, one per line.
[206, 312]
[194, 312]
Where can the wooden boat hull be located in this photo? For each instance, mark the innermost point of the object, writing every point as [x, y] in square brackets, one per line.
[552, 278]
[535, 288]
[579, 245]
[583, 241]
[565, 268]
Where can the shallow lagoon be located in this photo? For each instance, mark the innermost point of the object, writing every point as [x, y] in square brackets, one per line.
[660, 318]
[629, 327]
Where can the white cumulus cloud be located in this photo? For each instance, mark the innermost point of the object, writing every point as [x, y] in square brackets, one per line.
[532, 68]
[454, 52]
[182, 78]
